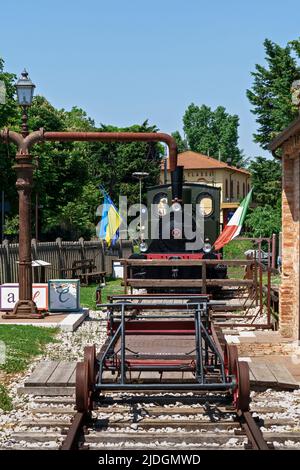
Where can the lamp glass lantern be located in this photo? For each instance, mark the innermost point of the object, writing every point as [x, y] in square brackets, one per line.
[25, 89]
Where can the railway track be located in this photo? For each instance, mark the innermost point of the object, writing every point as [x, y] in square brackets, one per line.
[153, 422]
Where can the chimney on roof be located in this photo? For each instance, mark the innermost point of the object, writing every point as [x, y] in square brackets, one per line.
[229, 161]
[219, 155]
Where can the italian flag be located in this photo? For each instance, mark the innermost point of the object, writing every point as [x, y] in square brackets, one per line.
[234, 226]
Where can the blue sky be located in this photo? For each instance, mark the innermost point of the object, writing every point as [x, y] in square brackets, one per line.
[126, 61]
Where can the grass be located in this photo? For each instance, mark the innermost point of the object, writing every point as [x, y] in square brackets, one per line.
[87, 294]
[5, 400]
[236, 249]
[22, 343]
[19, 344]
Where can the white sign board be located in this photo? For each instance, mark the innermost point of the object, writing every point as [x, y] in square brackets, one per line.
[9, 296]
[64, 295]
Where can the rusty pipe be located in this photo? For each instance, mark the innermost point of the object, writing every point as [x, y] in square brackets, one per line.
[117, 137]
[10, 136]
[22, 143]
[40, 136]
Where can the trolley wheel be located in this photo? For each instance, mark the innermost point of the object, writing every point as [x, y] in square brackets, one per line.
[230, 358]
[82, 387]
[90, 358]
[241, 394]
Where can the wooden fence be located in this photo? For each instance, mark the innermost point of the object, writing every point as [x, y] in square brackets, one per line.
[61, 255]
[250, 284]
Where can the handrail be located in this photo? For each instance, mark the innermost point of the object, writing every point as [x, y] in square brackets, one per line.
[186, 262]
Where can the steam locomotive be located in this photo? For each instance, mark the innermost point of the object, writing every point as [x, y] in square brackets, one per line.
[185, 219]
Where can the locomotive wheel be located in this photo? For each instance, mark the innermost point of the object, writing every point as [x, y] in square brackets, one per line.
[90, 358]
[230, 358]
[241, 394]
[82, 387]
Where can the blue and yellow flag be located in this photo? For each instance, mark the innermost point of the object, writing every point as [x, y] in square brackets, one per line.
[110, 221]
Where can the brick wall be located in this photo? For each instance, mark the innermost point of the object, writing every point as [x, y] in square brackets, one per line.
[290, 289]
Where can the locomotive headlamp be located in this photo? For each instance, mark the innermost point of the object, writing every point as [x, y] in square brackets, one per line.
[207, 246]
[143, 247]
[176, 206]
[162, 207]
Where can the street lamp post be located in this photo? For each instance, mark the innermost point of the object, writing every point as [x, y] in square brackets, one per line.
[25, 307]
[140, 175]
[25, 89]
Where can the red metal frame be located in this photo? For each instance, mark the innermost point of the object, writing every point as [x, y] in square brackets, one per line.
[154, 362]
[180, 255]
[162, 327]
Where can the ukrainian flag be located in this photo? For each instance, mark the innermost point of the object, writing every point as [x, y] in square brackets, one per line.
[110, 221]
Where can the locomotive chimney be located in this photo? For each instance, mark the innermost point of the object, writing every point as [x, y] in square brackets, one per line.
[177, 183]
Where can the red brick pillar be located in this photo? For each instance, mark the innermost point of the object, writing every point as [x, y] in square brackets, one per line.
[289, 291]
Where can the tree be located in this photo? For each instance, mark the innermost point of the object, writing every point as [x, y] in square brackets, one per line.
[182, 144]
[263, 221]
[112, 164]
[213, 133]
[9, 115]
[266, 180]
[270, 95]
[265, 218]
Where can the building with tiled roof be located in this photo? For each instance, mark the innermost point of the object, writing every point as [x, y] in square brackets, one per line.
[234, 182]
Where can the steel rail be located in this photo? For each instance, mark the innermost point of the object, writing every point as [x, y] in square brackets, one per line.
[71, 441]
[253, 432]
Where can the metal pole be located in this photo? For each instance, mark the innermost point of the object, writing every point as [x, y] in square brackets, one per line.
[269, 253]
[269, 297]
[141, 209]
[273, 251]
[25, 307]
[260, 279]
[123, 347]
[37, 216]
[165, 170]
[2, 215]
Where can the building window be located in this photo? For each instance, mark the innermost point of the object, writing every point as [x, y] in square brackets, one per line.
[238, 190]
[248, 187]
[244, 190]
[226, 188]
[231, 189]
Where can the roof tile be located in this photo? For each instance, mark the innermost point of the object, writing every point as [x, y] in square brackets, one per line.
[195, 161]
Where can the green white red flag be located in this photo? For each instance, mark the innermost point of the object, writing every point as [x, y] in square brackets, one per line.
[234, 226]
